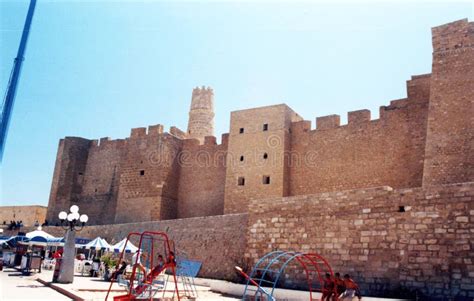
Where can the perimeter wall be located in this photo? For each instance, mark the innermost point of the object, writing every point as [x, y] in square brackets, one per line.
[389, 240]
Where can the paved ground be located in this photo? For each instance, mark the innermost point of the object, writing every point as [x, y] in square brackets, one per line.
[95, 289]
[14, 286]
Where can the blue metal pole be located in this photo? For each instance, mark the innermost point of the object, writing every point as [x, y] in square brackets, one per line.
[14, 77]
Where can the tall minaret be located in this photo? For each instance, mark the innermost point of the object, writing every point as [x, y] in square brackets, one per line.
[201, 114]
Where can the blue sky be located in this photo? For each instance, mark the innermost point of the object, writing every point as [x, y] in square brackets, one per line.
[98, 68]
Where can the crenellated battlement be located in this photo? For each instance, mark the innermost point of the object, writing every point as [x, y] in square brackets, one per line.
[209, 141]
[418, 92]
[202, 99]
[358, 117]
[154, 131]
[203, 91]
[452, 37]
[136, 133]
[107, 142]
[178, 132]
[328, 122]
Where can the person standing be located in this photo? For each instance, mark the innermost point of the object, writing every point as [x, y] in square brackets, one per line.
[328, 288]
[351, 289]
[339, 283]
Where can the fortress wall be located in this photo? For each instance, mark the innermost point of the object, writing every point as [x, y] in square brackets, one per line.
[27, 214]
[103, 166]
[202, 177]
[66, 187]
[217, 241]
[428, 248]
[365, 152]
[450, 142]
[101, 180]
[149, 176]
[249, 141]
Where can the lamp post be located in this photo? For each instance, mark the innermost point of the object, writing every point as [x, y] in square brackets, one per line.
[71, 222]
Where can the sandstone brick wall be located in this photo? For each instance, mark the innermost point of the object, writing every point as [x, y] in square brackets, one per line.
[246, 152]
[133, 179]
[149, 177]
[202, 178]
[365, 152]
[428, 248]
[66, 187]
[450, 142]
[101, 180]
[27, 214]
[217, 241]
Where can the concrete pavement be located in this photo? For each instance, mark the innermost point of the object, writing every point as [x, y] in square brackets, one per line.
[95, 289]
[14, 286]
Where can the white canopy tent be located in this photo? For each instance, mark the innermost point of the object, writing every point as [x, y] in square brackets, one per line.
[39, 233]
[39, 237]
[99, 244]
[121, 246]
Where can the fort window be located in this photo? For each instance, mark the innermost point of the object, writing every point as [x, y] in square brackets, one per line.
[401, 208]
[142, 172]
[241, 131]
[241, 181]
[80, 173]
[265, 156]
[265, 127]
[266, 180]
[96, 190]
[241, 158]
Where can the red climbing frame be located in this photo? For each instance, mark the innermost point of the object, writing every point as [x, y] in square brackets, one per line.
[136, 288]
[273, 265]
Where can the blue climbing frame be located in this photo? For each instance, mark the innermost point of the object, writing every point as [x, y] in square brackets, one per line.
[268, 270]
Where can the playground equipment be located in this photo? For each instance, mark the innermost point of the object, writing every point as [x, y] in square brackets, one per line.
[268, 272]
[155, 256]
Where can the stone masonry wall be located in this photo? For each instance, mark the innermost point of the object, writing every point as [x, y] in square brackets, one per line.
[66, 187]
[217, 241]
[450, 140]
[365, 152]
[258, 140]
[27, 214]
[428, 248]
[101, 180]
[202, 177]
[149, 177]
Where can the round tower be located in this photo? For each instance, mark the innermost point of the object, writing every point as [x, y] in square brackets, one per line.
[201, 114]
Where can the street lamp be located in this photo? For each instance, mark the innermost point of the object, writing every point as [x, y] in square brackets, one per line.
[71, 222]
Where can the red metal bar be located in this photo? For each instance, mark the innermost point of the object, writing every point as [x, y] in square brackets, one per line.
[120, 260]
[239, 269]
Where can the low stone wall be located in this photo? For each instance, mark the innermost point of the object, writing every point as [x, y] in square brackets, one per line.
[412, 241]
[27, 214]
[217, 241]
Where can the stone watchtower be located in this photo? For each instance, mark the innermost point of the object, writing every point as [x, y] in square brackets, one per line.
[201, 114]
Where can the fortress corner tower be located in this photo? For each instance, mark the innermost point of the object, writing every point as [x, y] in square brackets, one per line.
[201, 114]
[449, 156]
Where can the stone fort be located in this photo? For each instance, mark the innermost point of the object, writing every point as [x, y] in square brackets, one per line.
[390, 200]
